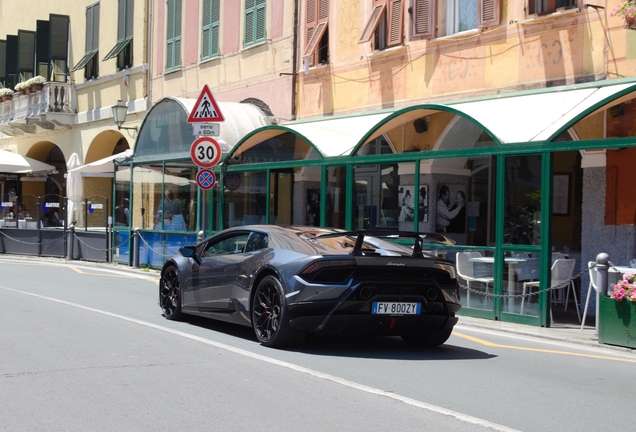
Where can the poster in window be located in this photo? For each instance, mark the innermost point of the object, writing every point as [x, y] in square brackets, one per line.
[561, 194]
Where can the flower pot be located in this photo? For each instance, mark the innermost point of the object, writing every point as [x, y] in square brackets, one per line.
[630, 22]
[6, 98]
[617, 322]
[22, 92]
[36, 87]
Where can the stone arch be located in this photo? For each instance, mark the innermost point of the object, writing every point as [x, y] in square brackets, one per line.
[106, 143]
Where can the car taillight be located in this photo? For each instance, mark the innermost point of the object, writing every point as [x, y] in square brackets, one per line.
[328, 271]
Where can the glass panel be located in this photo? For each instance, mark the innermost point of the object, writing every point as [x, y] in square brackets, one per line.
[281, 191]
[122, 199]
[522, 200]
[456, 198]
[384, 196]
[95, 209]
[147, 182]
[178, 206]
[246, 204]
[165, 131]
[285, 147]
[336, 196]
[521, 283]
[306, 196]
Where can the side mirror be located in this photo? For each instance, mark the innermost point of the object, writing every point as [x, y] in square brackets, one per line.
[190, 252]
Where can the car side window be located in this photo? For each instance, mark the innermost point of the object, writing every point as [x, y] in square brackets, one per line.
[257, 241]
[232, 244]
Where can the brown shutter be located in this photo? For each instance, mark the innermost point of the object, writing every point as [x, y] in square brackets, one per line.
[317, 20]
[372, 23]
[424, 18]
[489, 13]
[396, 22]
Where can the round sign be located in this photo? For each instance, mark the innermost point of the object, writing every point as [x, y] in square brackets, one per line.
[205, 152]
[232, 181]
[206, 179]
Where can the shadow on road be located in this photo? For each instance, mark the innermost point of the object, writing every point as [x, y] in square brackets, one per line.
[354, 346]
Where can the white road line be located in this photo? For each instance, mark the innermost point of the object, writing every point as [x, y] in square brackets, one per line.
[311, 372]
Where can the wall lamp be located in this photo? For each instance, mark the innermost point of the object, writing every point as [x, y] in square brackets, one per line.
[120, 109]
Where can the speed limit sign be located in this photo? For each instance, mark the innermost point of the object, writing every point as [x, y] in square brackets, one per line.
[205, 152]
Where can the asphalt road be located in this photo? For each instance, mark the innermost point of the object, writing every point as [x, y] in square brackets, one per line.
[86, 348]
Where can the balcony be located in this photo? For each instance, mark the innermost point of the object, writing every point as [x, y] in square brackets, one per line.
[52, 107]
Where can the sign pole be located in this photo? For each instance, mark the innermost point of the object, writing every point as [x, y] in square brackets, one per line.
[204, 216]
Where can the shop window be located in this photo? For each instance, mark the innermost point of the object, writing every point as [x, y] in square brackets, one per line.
[385, 25]
[173, 35]
[122, 50]
[245, 204]
[542, 7]
[522, 200]
[255, 16]
[316, 32]
[211, 23]
[336, 196]
[89, 62]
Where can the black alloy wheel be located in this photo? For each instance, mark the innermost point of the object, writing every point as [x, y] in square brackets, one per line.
[269, 316]
[170, 294]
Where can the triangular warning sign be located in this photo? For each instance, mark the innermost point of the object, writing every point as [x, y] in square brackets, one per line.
[205, 110]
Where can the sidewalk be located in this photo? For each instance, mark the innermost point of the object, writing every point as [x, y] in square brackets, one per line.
[561, 331]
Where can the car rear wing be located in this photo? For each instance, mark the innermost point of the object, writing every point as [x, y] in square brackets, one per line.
[420, 238]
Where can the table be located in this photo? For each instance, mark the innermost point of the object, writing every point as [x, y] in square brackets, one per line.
[512, 262]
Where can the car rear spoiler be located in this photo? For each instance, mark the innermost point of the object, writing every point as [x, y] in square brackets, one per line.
[419, 237]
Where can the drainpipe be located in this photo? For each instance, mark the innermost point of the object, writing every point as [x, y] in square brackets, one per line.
[294, 60]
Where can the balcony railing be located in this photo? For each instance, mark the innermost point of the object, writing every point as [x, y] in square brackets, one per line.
[56, 100]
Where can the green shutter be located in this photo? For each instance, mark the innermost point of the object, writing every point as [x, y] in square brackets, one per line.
[42, 41]
[3, 60]
[121, 19]
[124, 28]
[96, 27]
[58, 37]
[255, 17]
[130, 17]
[260, 22]
[12, 55]
[173, 35]
[210, 29]
[26, 51]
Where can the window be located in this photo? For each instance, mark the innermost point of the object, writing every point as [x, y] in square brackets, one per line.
[210, 30]
[89, 61]
[541, 7]
[254, 22]
[123, 48]
[385, 26]
[461, 15]
[230, 244]
[173, 35]
[316, 32]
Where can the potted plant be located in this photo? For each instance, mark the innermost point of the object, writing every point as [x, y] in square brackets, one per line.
[36, 82]
[21, 87]
[627, 11]
[6, 94]
[617, 314]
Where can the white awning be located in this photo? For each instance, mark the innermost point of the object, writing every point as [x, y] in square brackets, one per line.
[12, 163]
[105, 165]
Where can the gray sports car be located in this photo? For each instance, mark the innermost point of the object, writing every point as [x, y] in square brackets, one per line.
[286, 282]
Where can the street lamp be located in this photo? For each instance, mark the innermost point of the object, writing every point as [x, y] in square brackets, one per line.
[120, 109]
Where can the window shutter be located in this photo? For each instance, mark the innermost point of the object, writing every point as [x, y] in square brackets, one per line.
[396, 22]
[489, 13]
[130, 17]
[316, 23]
[26, 51]
[424, 16]
[121, 19]
[206, 31]
[249, 26]
[58, 37]
[3, 60]
[177, 33]
[12, 55]
[372, 23]
[42, 29]
[89, 30]
[96, 27]
[260, 21]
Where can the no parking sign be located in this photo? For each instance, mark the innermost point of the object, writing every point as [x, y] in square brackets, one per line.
[206, 179]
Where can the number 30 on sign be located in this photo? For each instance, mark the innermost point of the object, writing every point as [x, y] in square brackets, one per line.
[205, 152]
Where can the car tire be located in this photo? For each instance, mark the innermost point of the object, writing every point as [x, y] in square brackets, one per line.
[428, 339]
[269, 316]
[170, 293]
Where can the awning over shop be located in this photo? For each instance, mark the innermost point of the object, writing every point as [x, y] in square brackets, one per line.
[166, 133]
[11, 163]
[100, 166]
[516, 117]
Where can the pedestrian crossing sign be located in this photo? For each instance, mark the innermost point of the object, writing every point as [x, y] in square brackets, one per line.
[205, 110]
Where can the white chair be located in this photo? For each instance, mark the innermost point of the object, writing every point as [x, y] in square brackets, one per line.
[594, 283]
[466, 270]
[561, 271]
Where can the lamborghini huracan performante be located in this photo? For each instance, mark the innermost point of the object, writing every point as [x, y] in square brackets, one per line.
[286, 282]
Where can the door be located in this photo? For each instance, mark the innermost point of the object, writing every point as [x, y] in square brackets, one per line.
[281, 197]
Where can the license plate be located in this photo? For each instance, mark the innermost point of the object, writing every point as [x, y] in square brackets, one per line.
[396, 308]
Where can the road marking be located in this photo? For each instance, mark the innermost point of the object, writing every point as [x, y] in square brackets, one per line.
[351, 384]
[121, 275]
[541, 350]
